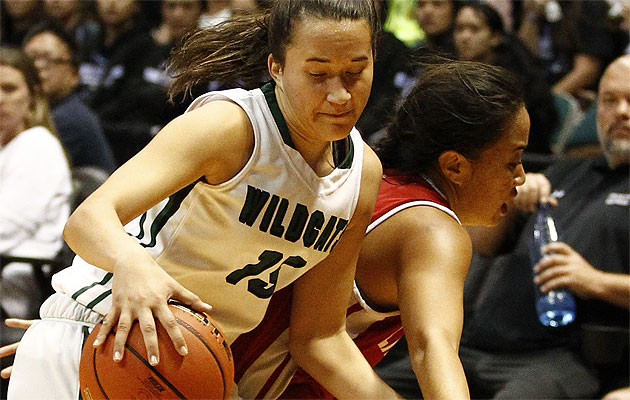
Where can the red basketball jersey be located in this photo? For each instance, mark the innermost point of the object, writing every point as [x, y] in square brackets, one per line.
[376, 332]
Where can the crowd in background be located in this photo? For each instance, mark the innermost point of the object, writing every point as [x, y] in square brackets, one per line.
[101, 68]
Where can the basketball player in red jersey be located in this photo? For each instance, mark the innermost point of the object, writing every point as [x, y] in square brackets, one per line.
[451, 157]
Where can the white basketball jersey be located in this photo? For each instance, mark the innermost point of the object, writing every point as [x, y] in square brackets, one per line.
[236, 243]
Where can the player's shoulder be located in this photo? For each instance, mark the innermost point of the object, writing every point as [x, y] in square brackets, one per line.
[218, 123]
[372, 167]
[427, 224]
[371, 176]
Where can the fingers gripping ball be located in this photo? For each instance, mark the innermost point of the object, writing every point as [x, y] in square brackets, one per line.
[207, 372]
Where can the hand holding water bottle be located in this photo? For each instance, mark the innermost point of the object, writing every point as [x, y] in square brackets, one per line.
[563, 267]
[554, 307]
[536, 190]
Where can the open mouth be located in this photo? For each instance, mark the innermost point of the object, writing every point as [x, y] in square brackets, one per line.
[504, 209]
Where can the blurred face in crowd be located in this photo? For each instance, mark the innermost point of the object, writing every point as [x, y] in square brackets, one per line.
[20, 8]
[61, 10]
[434, 16]
[181, 15]
[52, 58]
[116, 12]
[613, 112]
[474, 40]
[15, 102]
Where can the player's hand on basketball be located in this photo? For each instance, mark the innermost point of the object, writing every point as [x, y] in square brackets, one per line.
[10, 349]
[537, 189]
[141, 294]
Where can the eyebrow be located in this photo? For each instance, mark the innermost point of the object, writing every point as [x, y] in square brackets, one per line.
[325, 60]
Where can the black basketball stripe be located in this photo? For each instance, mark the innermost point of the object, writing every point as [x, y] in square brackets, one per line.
[146, 363]
[98, 381]
[194, 332]
[155, 371]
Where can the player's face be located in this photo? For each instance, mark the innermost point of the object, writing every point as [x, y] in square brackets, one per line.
[326, 77]
[496, 173]
[613, 113]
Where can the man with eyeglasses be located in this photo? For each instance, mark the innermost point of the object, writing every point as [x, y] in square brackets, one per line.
[79, 128]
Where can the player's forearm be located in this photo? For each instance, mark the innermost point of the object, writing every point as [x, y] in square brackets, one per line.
[439, 370]
[97, 235]
[337, 364]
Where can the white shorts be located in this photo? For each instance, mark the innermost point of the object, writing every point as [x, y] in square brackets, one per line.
[47, 361]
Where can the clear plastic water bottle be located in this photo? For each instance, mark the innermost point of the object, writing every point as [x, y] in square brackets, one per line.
[556, 307]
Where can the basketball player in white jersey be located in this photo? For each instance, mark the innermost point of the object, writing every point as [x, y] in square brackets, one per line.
[452, 157]
[246, 194]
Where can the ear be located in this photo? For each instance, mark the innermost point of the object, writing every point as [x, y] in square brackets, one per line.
[275, 70]
[455, 167]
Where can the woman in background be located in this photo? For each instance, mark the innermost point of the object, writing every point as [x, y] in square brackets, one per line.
[480, 36]
[35, 184]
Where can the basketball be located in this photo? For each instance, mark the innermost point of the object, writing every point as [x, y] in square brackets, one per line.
[206, 372]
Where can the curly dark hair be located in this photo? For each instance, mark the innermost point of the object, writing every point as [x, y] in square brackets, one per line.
[455, 105]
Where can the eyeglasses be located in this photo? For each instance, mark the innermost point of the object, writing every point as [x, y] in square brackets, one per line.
[45, 59]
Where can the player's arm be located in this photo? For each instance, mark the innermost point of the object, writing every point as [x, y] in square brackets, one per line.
[432, 254]
[187, 149]
[318, 339]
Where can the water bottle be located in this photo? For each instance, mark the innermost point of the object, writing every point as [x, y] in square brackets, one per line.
[556, 307]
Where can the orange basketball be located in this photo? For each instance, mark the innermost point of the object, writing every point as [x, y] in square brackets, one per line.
[207, 372]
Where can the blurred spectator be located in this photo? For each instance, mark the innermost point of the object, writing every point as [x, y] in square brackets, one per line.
[573, 40]
[35, 184]
[77, 20]
[436, 18]
[79, 129]
[178, 17]
[480, 36]
[505, 350]
[392, 58]
[16, 18]
[507, 11]
[619, 23]
[216, 11]
[113, 76]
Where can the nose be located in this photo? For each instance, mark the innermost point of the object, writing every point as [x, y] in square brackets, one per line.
[519, 179]
[39, 63]
[463, 35]
[337, 92]
[623, 107]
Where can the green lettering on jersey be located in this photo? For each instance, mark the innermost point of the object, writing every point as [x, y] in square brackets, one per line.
[254, 203]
